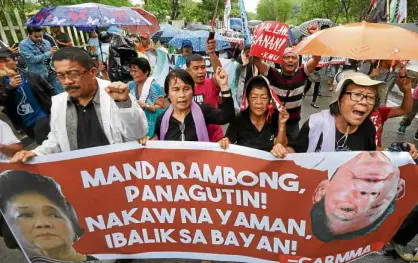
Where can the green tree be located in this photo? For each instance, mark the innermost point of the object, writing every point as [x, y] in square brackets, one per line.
[340, 11]
[160, 8]
[274, 10]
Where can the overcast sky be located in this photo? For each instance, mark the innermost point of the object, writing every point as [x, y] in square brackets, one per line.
[251, 5]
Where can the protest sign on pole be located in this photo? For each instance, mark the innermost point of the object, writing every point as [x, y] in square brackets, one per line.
[196, 201]
[270, 41]
[325, 61]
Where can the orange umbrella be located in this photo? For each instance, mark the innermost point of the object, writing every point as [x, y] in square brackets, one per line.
[361, 41]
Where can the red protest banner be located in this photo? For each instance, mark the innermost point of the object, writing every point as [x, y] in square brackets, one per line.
[195, 201]
[270, 40]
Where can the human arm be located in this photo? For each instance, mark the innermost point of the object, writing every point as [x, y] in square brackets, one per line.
[11, 149]
[44, 84]
[281, 130]
[27, 53]
[129, 117]
[299, 145]
[211, 50]
[262, 67]
[310, 66]
[10, 144]
[231, 135]
[405, 86]
[226, 111]
[155, 98]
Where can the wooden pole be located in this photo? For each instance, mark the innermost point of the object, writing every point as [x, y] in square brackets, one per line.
[388, 11]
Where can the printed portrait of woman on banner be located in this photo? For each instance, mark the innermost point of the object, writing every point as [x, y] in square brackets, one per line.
[39, 216]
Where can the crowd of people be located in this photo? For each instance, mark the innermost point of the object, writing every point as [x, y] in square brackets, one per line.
[63, 99]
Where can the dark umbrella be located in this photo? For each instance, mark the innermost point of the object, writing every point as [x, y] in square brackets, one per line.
[409, 26]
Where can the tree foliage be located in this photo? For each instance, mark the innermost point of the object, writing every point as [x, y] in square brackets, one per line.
[274, 10]
[340, 11]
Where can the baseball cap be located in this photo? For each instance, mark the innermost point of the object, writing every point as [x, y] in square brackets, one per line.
[145, 35]
[359, 79]
[186, 43]
[5, 53]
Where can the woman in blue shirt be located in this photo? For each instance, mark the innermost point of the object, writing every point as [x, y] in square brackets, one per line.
[149, 94]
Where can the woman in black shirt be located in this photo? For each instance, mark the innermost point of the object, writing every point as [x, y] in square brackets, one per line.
[257, 127]
[185, 120]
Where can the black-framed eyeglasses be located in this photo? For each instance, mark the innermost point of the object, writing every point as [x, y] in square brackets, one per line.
[71, 75]
[357, 97]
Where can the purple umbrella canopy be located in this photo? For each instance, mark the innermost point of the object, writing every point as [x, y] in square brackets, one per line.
[88, 15]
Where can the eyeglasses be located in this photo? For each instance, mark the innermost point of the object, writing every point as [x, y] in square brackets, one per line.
[71, 75]
[357, 97]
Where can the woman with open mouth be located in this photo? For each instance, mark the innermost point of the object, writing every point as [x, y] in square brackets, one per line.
[185, 120]
[346, 125]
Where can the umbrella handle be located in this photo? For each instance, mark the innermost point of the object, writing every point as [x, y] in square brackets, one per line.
[100, 44]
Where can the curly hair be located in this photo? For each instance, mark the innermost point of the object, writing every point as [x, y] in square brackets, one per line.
[16, 182]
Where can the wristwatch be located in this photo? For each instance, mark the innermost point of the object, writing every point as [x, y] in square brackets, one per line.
[226, 92]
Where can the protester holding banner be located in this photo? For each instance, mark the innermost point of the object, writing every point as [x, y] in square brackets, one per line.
[259, 126]
[35, 207]
[288, 83]
[186, 120]
[206, 90]
[93, 112]
[346, 126]
[148, 93]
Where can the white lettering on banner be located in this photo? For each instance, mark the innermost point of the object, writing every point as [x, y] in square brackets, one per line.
[118, 240]
[176, 170]
[270, 42]
[278, 29]
[339, 258]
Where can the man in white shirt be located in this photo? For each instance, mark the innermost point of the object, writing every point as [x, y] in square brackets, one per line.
[92, 112]
[9, 144]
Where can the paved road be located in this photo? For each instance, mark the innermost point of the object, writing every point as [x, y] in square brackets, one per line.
[390, 135]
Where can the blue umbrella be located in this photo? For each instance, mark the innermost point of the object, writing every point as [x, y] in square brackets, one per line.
[166, 33]
[235, 23]
[198, 39]
[87, 15]
[221, 42]
[177, 41]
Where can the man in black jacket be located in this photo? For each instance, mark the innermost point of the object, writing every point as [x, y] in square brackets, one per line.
[26, 98]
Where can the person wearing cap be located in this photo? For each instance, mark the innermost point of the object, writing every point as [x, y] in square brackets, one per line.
[145, 43]
[186, 50]
[361, 191]
[289, 83]
[26, 97]
[346, 126]
[259, 125]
